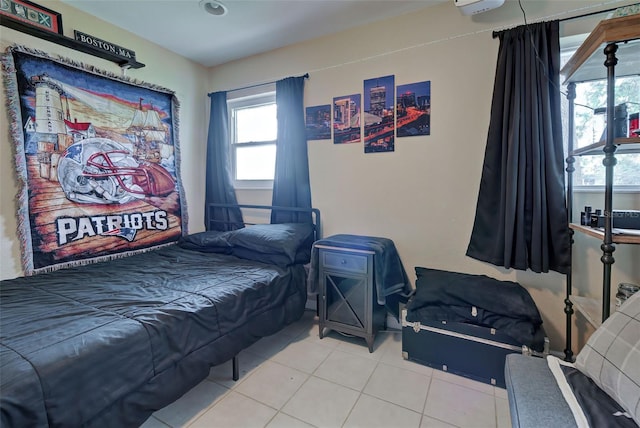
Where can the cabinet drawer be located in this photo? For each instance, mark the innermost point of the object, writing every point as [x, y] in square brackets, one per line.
[344, 261]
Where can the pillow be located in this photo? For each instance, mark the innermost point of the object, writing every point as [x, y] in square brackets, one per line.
[293, 240]
[611, 357]
[211, 241]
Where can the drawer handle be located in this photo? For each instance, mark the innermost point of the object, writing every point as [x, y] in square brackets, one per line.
[343, 261]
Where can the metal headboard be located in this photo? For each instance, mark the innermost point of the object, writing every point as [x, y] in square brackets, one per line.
[315, 214]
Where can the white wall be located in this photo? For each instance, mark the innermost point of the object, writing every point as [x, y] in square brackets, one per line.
[423, 195]
[163, 68]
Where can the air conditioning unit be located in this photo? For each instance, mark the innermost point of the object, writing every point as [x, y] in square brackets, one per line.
[472, 7]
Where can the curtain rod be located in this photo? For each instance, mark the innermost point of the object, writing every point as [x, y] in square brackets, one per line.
[497, 33]
[306, 76]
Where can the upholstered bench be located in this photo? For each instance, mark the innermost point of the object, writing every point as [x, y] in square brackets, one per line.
[535, 399]
[602, 388]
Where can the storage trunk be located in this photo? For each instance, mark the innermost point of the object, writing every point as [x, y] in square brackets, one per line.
[468, 350]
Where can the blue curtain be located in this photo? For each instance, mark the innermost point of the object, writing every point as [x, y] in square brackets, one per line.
[521, 216]
[219, 185]
[291, 186]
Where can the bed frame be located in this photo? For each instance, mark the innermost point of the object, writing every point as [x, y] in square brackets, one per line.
[315, 214]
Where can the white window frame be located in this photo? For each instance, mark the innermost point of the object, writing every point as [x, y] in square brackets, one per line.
[243, 102]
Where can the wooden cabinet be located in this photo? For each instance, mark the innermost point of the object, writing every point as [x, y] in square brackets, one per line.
[611, 50]
[347, 296]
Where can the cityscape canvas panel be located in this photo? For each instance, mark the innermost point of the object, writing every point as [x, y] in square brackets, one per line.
[318, 122]
[379, 114]
[346, 119]
[413, 109]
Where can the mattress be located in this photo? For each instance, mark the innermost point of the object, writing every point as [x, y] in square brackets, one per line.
[109, 343]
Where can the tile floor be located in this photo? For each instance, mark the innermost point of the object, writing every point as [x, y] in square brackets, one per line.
[294, 379]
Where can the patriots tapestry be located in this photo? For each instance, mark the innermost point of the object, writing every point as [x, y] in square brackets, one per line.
[97, 160]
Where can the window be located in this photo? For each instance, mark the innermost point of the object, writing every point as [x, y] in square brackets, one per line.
[254, 130]
[590, 124]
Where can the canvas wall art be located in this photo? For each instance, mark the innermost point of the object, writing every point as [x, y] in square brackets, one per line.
[97, 159]
[379, 114]
[318, 122]
[413, 109]
[346, 119]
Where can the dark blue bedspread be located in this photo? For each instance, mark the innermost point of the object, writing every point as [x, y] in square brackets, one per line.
[598, 407]
[109, 343]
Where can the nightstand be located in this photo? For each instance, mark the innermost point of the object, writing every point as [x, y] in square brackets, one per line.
[347, 296]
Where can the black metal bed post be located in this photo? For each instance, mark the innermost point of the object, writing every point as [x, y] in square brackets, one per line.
[315, 213]
[609, 162]
[235, 368]
[568, 305]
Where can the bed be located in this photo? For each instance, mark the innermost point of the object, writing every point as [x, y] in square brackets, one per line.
[109, 343]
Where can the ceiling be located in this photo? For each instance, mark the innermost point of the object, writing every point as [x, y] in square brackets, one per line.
[250, 26]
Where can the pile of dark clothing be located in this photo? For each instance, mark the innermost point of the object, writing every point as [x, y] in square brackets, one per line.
[476, 299]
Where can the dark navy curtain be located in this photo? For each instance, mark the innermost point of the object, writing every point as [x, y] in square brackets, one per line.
[291, 186]
[521, 216]
[219, 185]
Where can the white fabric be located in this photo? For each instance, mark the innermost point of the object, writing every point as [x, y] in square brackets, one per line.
[567, 392]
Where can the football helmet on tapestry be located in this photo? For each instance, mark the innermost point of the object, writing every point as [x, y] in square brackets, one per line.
[99, 170]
